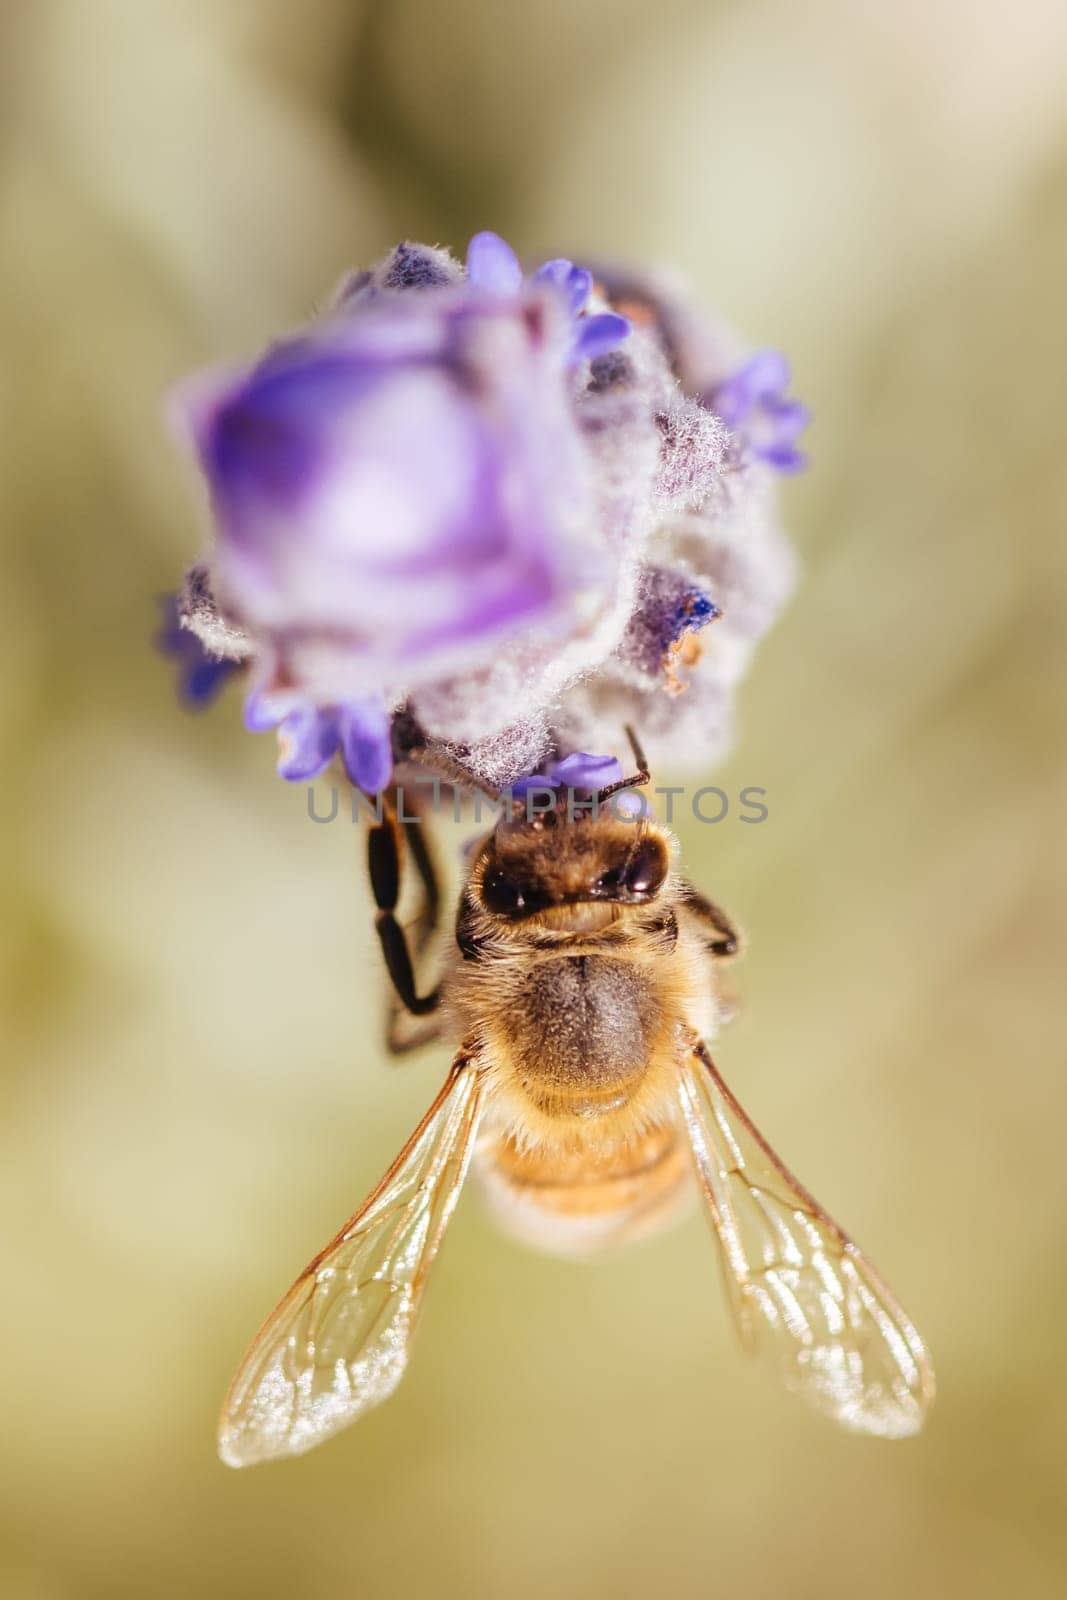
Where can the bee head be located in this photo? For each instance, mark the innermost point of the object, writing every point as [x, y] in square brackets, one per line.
[528, 868]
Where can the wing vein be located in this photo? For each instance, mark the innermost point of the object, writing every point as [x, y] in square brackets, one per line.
[339, 1340]
[800, 1289]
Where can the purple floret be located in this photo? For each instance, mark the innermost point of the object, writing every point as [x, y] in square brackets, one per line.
[492, 265]
[753, 404]
[200, 674]
[310, 737]
[580, 770]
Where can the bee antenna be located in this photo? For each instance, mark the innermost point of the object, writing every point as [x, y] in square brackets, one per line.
[639, 778]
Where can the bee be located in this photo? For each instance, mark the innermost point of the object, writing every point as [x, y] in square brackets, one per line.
[582, 985]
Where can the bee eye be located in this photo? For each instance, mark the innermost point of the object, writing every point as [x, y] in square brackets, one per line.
[646, 868]
[610, 883]
[503, 893]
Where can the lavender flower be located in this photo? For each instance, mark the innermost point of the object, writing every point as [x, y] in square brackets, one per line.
[200, 674]
[478, 508]
[753, 404]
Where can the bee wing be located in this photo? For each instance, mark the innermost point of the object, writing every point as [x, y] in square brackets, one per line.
[800, 1289]
[338, 1343]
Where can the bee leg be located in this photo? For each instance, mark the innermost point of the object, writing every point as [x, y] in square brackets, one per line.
[729, 941]
[416, 841]
[384, 848]
[398, 1042]
[400, 1037]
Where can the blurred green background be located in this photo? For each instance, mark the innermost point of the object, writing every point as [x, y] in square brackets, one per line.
[193, 1093]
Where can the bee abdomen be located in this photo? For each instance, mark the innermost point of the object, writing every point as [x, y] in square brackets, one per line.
[577, 1202]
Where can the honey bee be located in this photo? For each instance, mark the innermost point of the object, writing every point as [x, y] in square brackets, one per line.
[582, 983]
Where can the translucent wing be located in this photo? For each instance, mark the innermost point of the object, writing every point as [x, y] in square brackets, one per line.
[800, 1288]
[338, 1343]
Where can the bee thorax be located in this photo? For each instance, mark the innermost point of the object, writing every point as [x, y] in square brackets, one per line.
[581, 1032]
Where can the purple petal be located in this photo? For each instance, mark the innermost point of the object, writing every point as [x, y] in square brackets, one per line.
[732, 402]
[579, 770]
[575, 283]
[765, 375]
[579, 287]
[536, 780]
[784, 459]
[202, 681]
[598, 334]
[366, 744]
[193, 405]
[260, 443]
[308, 739]
[493, 265]
[556, 272]
[262, 711]
[584, 771]
[762, 380]
[753, 404]
[790, 419]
